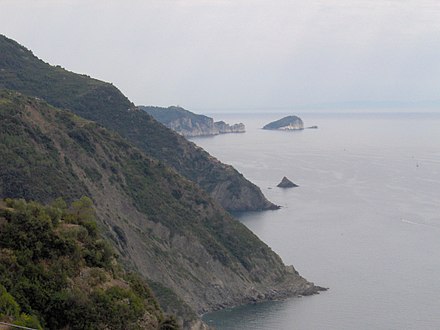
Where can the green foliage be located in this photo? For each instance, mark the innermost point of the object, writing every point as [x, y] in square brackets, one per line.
[44, 250]
[102, 102]
[155, 189]
[29, 158]
[28, 321]
[170, 323]
[30, 230]
[141, 288]
[93, 174]
[46, 153]
[82, 212]
[173, 304]
[117, 306]
[98, 254]
[23, 72]
[8, 305]
[167, 115]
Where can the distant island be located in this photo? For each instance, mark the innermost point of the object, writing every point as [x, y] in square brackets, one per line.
[288, 123]
[189, 124]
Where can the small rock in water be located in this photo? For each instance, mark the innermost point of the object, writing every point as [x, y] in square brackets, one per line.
[286, 183]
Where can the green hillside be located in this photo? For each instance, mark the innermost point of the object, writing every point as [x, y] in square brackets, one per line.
[163, 225]
[103, 103]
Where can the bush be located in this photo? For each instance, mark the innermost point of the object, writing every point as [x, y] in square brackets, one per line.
[45, 252]
[8, 305]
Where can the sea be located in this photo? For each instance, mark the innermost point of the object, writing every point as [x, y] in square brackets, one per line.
[364, 221]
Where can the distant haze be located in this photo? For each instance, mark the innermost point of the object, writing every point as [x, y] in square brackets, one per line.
[247, 55]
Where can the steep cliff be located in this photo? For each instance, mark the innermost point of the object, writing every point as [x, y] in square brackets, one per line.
[190, 124]
[103, 103]
[223, 127]
[162, 224]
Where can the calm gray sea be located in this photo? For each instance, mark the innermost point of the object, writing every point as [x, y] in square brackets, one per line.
[364, 222]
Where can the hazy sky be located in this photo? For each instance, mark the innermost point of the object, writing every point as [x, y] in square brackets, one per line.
[240, 54]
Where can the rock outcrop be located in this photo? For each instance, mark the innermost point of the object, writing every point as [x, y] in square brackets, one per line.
[223, 127]
[286, 124]
[189, 124]
[286, 183]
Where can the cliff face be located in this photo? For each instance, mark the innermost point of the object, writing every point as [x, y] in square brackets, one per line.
[190, 128]
[286, 124]
[190, 124]
[223, 127]
[163, 225]
[105, 104]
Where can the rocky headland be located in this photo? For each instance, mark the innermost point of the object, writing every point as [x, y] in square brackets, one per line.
[189, 124]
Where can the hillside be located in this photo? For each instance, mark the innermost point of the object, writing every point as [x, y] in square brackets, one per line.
[189, 124]
[57, 273]
[103, 103]
[163, 225]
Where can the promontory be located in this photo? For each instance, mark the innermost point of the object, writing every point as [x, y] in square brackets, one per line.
[189, 124]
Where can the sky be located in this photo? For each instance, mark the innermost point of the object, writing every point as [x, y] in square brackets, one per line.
[247, 55]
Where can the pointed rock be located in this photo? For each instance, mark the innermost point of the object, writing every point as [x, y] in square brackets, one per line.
[286, 183]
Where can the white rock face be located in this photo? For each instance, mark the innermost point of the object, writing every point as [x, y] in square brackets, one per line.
[290, 127]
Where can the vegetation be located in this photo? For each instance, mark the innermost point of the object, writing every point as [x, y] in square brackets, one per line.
[56, 272]
[160, 223]
[166, 115]
[22, 71]
[29, 157]
[55, 153]
[102, 102]
[33, 158]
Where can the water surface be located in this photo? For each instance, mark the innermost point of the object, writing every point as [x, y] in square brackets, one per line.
[365, 220]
